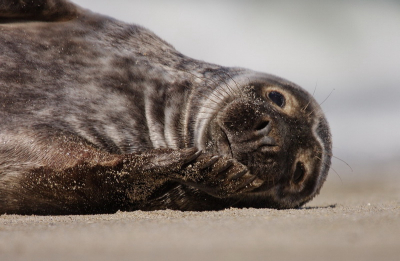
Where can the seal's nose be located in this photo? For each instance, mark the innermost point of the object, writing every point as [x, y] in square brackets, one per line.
[299, 173]
[261, 131]
[263, 127]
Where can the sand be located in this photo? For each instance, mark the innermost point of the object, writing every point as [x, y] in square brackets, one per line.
[357, 219]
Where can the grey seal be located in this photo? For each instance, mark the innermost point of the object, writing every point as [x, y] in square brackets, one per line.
[97, 115]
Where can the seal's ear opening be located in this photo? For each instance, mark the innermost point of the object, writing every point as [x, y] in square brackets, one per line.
[299, 173]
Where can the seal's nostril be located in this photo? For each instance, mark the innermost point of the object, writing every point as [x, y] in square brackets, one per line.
[261, 125]
[299, 173]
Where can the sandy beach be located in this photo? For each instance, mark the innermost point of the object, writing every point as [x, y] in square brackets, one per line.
[357, 218]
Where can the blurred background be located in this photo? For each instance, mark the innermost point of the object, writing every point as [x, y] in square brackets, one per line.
[350, 48]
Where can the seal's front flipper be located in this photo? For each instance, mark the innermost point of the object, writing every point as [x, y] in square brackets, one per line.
[37, 10]
[219, 176]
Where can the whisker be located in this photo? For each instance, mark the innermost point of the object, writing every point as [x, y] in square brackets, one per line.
[209, 98]
[212, 95]
[343, 162]
[326, 97]
[322, 102]
[330, 167]
[237, 86]
[232, 94]
[208, 107]
[219, 89]
[341, 181]
[305, 107]
[207, 86]
[315, 88]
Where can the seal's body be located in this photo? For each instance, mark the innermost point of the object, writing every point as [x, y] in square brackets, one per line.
[97, 115]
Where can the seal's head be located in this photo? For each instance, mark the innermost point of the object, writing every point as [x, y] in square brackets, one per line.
[278, 131]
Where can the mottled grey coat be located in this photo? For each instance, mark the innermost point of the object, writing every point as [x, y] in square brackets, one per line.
[97, 115]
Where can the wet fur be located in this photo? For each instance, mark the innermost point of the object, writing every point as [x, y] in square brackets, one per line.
[97, 115]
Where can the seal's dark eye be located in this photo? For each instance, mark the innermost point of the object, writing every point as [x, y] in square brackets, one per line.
[277, 98]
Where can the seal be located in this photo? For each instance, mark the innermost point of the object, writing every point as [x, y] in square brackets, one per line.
[97, 116]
